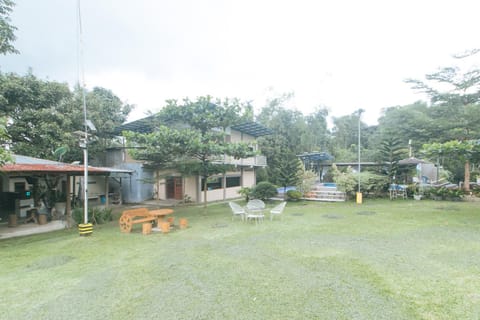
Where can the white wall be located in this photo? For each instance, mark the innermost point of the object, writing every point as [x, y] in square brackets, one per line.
[248, 178]
[96, 186]
[236, 136]
[191, 187]
[12, 181]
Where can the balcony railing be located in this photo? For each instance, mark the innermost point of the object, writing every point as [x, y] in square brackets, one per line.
[257, 161]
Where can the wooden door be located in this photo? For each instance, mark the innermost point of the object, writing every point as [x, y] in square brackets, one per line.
[174, 188]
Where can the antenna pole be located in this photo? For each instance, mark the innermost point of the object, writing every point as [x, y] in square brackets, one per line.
[82, 86]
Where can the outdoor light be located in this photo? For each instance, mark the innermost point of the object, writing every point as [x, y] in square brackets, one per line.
[89, 124]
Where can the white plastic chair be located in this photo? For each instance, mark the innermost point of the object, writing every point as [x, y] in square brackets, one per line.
[277, 210]
[255, 204]
[237, 210]
[255, 210]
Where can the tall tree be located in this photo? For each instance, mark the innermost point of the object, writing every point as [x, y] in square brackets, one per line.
[43, 116]
[7, 30]
[4, 154]
[38, 112]
[7, 37]
[410, 122]
[345, 137]
[455, 97]
[316, 136]
[294, 133]
[107, 112]
[194, 142]
[464, 151]
[287, 171]
[390, 152]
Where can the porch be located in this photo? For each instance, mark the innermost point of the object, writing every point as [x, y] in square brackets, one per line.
[25, 229]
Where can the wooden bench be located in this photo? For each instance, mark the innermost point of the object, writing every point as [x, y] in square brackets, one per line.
[134, 216]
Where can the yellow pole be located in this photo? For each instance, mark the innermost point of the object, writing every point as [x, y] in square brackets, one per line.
[359, 198]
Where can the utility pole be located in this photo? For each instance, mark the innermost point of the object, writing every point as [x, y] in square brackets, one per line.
[86, 228]
[359, 194]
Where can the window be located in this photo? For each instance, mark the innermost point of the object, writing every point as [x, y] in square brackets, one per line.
[19, 187]
[233, 182]
[213, 183]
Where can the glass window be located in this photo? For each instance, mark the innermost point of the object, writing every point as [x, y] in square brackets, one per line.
[19, 187]
[233, 182]
[213, 183]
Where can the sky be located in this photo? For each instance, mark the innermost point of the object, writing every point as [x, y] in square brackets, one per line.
[343, 55]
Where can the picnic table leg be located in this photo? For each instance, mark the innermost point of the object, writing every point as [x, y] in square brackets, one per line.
[159, 221]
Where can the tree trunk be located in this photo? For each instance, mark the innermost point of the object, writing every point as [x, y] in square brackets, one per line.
[466, 182]
[68, 206]
[205, 192]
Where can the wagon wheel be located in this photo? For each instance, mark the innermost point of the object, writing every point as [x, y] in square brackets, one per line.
[125, 224]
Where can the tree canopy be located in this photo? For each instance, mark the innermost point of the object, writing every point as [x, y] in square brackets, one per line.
[7, 30]
[190, 138]
[43, 116]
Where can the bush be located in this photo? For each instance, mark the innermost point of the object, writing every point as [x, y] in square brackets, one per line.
[95, 215]
[264, 190]
[100, 216]
[245, 192]
[294, 195]
[77, 215]
[346, 181]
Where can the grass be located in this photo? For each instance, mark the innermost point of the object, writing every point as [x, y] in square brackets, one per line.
[381, 260]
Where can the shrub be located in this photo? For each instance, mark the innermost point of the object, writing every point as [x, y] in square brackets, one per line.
[345, 181]
[100, 216]
[77, 215]
[95, 215]
[307, 181]
[294, 195]
[246, 192]
[264, 190]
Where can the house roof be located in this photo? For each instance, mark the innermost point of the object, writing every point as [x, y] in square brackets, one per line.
[315, 156]
[144, 125]
[252, 128]
[411, 160]
[147, 124]
[30, 165]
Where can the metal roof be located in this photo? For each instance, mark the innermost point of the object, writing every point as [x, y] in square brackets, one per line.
[315, 156]
[411, 160]
[146, 125]
[29, 165]
[252, 128]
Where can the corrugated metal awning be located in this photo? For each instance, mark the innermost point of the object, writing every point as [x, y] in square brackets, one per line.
[252, 128]
[29, 165]
[148, 124]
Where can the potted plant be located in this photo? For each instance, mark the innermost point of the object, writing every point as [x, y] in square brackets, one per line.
[12, 219]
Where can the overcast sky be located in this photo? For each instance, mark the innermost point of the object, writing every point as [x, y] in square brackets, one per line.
[344, 55]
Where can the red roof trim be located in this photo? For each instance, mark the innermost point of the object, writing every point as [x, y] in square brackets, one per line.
[50, 168]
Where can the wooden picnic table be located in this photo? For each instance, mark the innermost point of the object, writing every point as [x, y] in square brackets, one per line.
[141, 215]
[160, 214]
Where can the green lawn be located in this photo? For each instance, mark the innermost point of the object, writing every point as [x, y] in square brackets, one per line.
[399, 259]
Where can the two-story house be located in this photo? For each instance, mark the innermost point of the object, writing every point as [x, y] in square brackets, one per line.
[151, 183]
